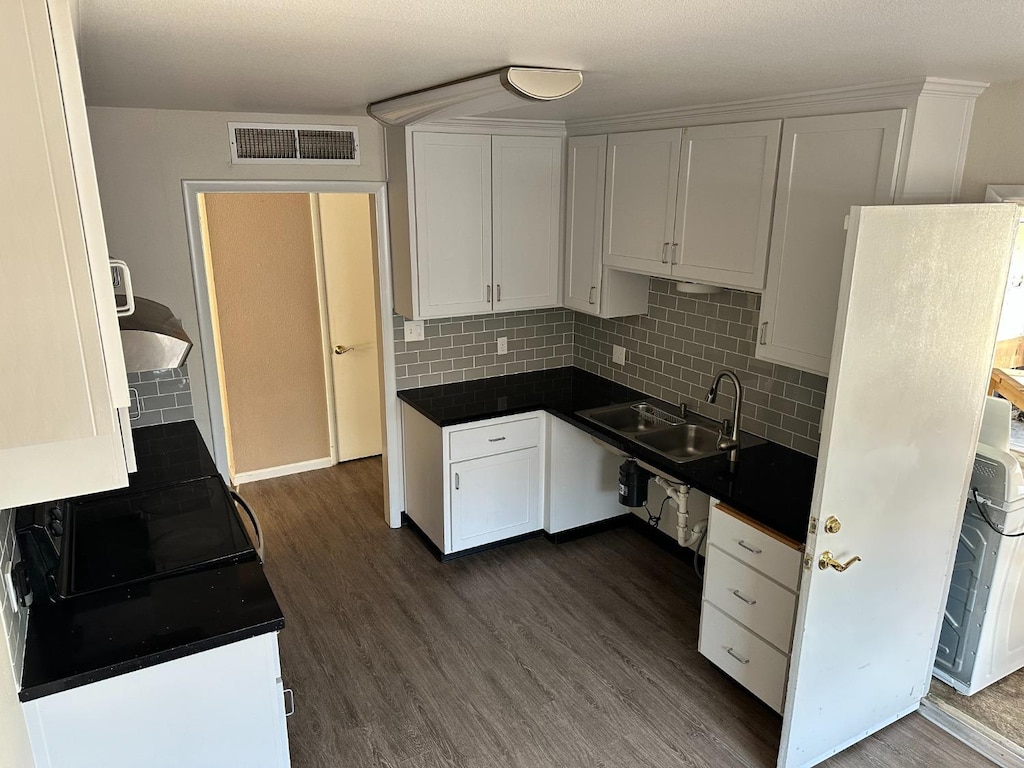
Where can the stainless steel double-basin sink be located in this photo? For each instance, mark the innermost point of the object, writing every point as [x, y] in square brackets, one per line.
[678, 436]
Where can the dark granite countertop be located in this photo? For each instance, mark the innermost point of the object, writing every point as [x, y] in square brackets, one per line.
[92, 637]
[769, 483]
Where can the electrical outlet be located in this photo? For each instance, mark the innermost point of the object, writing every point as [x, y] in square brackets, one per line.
[503, 345]
[618, 355]
[414, 330]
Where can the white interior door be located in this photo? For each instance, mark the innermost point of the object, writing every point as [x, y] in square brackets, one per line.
[919, 304]
[348, 253]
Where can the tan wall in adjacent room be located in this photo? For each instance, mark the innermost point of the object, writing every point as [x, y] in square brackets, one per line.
[143, 155]
[264, 271]
[995, 151]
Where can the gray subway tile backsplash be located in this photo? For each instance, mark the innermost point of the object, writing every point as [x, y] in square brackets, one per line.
[160, 397]
[672, 352]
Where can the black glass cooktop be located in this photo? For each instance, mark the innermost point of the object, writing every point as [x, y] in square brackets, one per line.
[113, 540]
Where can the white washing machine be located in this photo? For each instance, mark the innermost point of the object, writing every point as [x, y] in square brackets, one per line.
[982, 638]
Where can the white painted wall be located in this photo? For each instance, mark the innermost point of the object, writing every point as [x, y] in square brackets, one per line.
[15, 751]
[143, 155]
[995, 151]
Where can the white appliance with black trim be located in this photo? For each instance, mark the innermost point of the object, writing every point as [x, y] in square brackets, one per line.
[982, 638]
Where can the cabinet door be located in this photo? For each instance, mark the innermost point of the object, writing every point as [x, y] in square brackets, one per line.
[828, 164]
[59, 434]
[452, 188]
[724, 211]
[527, 187]
[584, 222]
[494, 498]
[640, 200]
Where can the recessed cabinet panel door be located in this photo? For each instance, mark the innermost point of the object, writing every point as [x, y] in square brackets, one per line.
[640, 200]
[828, 164]
[494, 498]
[724, 215]
[59, 435]
[584, 222]
[453, 222]
[899, 432]
[527, 176]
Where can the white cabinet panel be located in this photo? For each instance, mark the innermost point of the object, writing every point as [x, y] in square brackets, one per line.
[527, 184]
[219, 707]
[497, 436]
[827, 165]
[726, 189]
[495, 498]
[582, 479]
[640, 200]
[59, 433]
[452, 181]
[591, 287]
[755, 547]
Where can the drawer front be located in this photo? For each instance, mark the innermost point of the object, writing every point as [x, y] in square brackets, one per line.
[493, 438]
[755, 548]
[752, 599]
[743, 656]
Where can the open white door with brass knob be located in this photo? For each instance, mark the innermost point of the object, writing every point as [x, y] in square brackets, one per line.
[899, 430]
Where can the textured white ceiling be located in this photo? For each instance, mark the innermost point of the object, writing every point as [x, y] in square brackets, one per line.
[335, 56]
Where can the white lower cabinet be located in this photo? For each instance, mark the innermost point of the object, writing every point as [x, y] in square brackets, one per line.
[216, 708]
[494, 498]
[749, 603]
[583, 479]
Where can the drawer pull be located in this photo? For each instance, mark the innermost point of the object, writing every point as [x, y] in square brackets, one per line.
[495, 439]
[736, 656]
[746, 600]
[752, 550]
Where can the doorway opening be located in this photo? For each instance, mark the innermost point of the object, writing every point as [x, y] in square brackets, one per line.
[293, 291]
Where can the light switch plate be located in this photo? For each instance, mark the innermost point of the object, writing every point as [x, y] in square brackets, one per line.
[618, 355]
[503, 345]
[414, 330]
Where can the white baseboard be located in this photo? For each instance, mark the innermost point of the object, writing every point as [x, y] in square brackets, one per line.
[975, 735]
[284, 469]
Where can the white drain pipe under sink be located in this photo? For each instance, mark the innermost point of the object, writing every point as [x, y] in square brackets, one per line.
[680, 494]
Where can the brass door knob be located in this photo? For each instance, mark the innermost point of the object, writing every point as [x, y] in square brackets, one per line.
[827, 561]
[340, 350]
[832, 524]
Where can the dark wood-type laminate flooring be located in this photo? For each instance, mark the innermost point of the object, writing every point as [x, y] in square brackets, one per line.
[527, 656]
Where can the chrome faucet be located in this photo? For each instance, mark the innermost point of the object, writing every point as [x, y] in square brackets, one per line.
[732, 442]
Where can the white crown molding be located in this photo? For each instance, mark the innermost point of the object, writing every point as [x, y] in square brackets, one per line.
[886, 95]
[494, 126]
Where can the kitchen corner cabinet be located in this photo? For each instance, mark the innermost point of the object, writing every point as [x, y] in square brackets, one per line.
[590, 287]
[749, 603]
[225, 706]
[476, 224]
[693, 204]
[827, 165]
[473, 484]
[60, 429]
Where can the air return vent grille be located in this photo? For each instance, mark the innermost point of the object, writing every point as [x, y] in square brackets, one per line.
[308, 144]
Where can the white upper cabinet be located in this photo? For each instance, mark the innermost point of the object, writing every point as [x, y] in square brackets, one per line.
[475, 222]
[827, 165]
[527, 185]
[591, 287]
[59, 429]
[724, 210]
[452, 180]
[640, 200]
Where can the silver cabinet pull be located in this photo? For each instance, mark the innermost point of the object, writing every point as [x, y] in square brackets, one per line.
[764, 331]
[746, 600]
[488, 294]
[590, 298]
[664, 253]
[736, 656]
[289, 695]
[675, 253]
[752, 550]
[456, 481]
[495, 439]
[499, 292]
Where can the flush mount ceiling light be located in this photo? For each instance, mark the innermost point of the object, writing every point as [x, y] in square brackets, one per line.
[478, 95]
